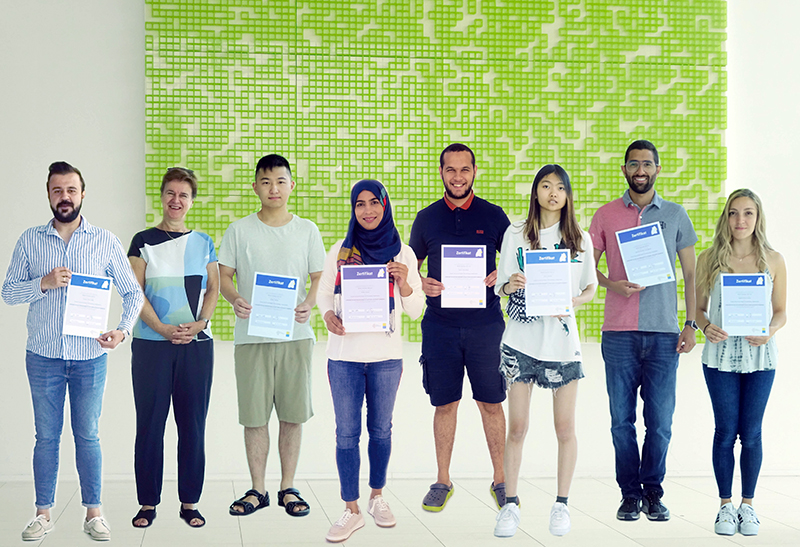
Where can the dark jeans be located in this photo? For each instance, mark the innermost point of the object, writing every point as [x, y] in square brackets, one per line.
[739, 401]
[351, 383]
[180, 373]
[643, 362]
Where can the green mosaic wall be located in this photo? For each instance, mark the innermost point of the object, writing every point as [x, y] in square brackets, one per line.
[376, 89]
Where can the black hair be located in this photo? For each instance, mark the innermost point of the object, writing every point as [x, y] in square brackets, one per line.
[642, 145]
[270, 162]
[63, 168]
[456, 147]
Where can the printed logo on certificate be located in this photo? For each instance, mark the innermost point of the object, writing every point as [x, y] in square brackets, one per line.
[644, 255]
[88, 300]
[365, 298]
[463, 272]
[274, 300]
[548, 287]
[745, 304]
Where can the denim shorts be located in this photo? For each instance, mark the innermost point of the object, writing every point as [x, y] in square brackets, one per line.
[516, 366]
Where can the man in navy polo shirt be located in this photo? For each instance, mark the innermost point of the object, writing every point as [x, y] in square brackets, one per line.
[455, 339]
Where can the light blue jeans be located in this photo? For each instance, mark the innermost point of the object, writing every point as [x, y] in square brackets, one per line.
[351, 383]
[49, 380]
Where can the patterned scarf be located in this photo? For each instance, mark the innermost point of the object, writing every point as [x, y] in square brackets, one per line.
[362, 246]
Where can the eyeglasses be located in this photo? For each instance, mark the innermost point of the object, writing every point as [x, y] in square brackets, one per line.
[633, 166]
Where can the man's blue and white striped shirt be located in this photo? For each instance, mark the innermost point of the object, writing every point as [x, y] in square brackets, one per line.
[90, 250]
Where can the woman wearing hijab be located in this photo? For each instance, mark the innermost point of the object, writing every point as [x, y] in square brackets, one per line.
[366, 364]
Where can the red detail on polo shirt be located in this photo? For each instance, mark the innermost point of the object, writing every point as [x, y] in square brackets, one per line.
[478, 231]
[453, 206]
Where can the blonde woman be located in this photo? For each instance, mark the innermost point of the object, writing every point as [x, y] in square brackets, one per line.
[739, 370]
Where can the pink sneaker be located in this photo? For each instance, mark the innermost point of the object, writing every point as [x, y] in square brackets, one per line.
[380, 511]
[345, 526]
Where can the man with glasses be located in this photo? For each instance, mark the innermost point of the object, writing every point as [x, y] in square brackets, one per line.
[641, 338]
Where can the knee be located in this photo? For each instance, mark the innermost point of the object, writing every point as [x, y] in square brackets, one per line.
[517, 432]
[380, 431]
[347, 442]
[750, 439]
[725, 438]
[491, 409]
[450, 409]
[565, 431]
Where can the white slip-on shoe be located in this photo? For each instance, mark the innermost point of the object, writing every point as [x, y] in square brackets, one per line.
[726, 522]
[380, 511]
[559, 519]
[345, 526]
[507, 521]
[97, 528]
[37, 528]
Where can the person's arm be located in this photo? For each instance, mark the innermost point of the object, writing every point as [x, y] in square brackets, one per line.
[227, 288]
[622, 286]
[509, 279]
[148, 314]
[430, 286]
[187, 331]
[687, 339]
[303, 311]
[119, 269]
[412, 297]
[777, 266]
[713, 333]
[19, 287]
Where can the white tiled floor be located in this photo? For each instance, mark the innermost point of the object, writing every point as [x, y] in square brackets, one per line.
[467, 521]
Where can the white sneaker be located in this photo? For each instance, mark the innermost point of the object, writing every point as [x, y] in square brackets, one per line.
[559, 519]
[345, 526]
[507, 521]
[748, 521]
[725, 525]
[97, 528]
[37, 528]
[380, 511]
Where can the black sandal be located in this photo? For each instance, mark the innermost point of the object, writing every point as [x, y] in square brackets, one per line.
[190, 514]
[291, 505]
[247, 507]
[148, 514]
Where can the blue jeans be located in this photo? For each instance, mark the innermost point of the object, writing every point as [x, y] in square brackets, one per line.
[49, 380]
[739, 401]
[645, 360]
[350, 383]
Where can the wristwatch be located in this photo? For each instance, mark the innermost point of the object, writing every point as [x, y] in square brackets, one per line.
[692, 324]
[208, 322]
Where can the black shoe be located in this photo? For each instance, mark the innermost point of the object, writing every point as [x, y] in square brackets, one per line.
[629, 509]
[653, 508]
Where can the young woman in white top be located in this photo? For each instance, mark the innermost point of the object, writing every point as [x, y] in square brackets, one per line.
[739, 370]
[366, 364]
[543, 350]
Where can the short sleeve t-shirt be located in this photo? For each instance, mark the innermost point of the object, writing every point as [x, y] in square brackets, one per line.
[294, 249]
[546, 338]
[654, 309]
[477, 222]
[175, 277]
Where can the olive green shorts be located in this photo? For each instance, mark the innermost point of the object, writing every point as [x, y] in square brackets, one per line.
[274, 374]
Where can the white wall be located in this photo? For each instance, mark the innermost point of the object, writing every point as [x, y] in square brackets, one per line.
[73, 88]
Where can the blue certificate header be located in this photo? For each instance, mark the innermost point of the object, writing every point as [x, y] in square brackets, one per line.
[365, 272]
[744, 280]
[462, 252]
[90, 282]
[546, 257]
[642, 232]
[276, 281]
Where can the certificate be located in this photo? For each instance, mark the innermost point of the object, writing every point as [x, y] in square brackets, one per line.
[644, 255]
[548, 287]
[745, 305]
[274, 300]
[88, 299]
[463, 272]
[365, 298]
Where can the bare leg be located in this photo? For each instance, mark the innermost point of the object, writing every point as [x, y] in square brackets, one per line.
[564, 420]
[494, 427]
[256, 444]
[519, 406]
[289, 440]
[444, 435]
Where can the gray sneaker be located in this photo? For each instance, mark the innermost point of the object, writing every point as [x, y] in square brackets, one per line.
[653, 508]
[37, 528]
[629, 509]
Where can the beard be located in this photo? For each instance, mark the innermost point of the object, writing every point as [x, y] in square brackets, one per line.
[67, 217]
[464, 193]
[638, 188]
